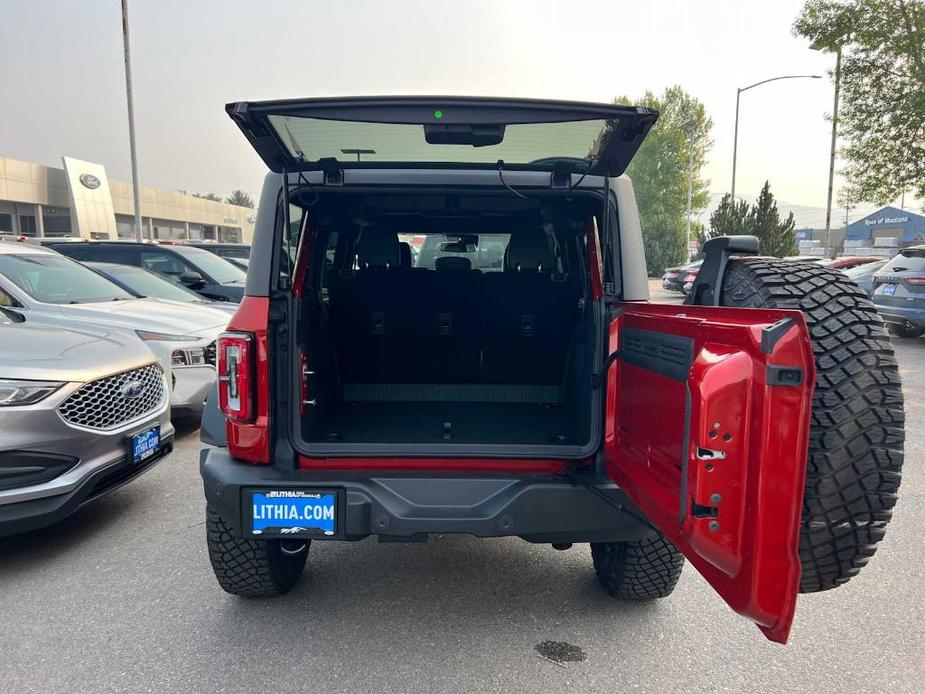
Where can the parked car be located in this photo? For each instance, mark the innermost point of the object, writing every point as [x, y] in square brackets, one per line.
[848, 261]
[48, 288]
[205, 273]
[899, 292]
[239, 262]
[863, 275]
[548, 400]
[675, 278]
[240, 251]
[805, 258]
[146, 283]
[82, 412]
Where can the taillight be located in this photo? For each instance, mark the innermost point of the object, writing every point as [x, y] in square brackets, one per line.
[915, 281]
[236, 375]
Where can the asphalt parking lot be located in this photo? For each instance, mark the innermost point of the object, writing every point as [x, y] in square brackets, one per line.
[121, 598]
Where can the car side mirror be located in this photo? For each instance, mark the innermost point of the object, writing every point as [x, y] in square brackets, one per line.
[192, 279]
[14, 315]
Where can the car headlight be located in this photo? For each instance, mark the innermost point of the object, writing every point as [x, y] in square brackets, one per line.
[188, 356]
[17, 392]
[148, 336]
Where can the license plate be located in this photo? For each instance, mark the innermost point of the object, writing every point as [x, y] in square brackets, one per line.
[889, 289]
[145, 444]
[293, 512]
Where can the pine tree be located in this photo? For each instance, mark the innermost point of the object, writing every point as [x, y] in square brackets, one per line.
[730, 218]
[775, 238]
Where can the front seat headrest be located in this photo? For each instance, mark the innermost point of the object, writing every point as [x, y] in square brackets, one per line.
[404, 255]
[377, 249]
[452, 263]
[528, 252]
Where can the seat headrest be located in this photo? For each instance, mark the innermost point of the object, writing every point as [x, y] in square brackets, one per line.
[404, 255]
[377, 249]
[528, 252]
[453, 263]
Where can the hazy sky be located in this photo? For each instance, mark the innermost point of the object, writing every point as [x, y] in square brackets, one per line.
[62, 88]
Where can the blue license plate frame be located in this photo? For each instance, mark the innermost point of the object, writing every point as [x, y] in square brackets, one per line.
[290, 513]
[145, 444]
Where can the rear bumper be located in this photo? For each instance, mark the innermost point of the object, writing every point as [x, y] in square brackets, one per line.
[410, 506]
[24, 516]
[901, 315]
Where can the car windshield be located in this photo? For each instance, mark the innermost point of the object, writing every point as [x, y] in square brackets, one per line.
[146, 283]
[865, 269]
[243, 252]
[54, 279]
[219, 269]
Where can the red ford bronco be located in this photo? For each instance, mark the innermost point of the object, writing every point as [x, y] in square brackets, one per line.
[446, 329]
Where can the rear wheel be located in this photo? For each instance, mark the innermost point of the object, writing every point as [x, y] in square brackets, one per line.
[639, 570]
[252, 568]
[856, 437]
[905, 330]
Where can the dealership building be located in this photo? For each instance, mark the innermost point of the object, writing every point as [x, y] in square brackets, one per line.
[879, 233]
[888, 226]
[79, 200]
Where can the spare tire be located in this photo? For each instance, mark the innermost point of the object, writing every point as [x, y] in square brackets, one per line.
[856, 438]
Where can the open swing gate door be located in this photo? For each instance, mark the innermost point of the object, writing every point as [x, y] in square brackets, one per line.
[708, 415]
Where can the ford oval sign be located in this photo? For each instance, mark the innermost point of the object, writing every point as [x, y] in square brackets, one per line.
[89, 181]
[132, 390]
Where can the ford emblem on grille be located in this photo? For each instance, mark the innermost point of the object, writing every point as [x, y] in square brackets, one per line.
[132, 389]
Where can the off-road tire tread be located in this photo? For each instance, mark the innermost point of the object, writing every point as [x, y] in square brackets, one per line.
[857, 435]
[250, 568]
[639, 570]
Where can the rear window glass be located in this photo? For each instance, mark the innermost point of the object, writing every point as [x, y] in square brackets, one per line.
[311, 139]
[909, 259]
[484, 252]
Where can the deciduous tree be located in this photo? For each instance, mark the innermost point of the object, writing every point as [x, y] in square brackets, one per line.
[660, 173]
[881, 118]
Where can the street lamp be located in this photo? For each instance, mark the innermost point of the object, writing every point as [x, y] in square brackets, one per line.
[820, 45]
[136, 190]
[739, 90]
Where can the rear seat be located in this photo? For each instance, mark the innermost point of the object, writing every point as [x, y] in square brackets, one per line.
[455, 305]
[366, 309]
[529, 310]
[396, 324]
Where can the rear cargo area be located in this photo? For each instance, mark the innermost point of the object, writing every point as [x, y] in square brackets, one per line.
[429, 329]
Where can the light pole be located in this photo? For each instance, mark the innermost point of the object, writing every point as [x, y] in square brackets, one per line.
[822, 46]
[739, 90]
[131, 121]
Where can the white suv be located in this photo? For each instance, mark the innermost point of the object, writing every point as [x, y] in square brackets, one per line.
[47, 288]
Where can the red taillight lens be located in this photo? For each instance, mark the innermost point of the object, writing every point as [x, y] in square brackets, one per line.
[690, 277]
[915, 281]
[236, 375]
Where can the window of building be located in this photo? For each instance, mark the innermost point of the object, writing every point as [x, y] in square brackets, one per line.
[6, 223]
[27, 225]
